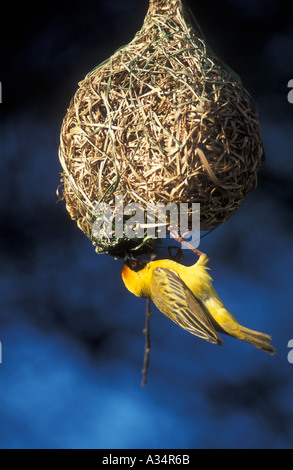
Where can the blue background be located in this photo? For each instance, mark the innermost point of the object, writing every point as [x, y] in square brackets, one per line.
[71, 335]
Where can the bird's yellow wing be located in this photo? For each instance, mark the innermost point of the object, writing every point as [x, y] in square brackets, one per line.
[175, 300]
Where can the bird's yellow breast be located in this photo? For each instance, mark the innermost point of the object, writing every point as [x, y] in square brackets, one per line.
[137, 283]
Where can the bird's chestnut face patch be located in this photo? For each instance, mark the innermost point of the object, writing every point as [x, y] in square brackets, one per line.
[136, 264]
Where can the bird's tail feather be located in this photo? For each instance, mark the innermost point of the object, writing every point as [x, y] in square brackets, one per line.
[257, 339]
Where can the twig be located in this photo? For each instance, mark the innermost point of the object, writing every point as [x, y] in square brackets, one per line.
[147, 348]
[183, 242]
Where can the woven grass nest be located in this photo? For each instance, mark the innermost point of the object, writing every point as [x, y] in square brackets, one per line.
[162, 120]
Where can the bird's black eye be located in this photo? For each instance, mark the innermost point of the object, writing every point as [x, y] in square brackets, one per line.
[133, 264]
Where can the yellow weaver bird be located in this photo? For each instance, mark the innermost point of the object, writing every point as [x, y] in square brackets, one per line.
[185, 294]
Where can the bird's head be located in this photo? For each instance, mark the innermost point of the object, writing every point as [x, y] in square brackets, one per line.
[133, 275]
